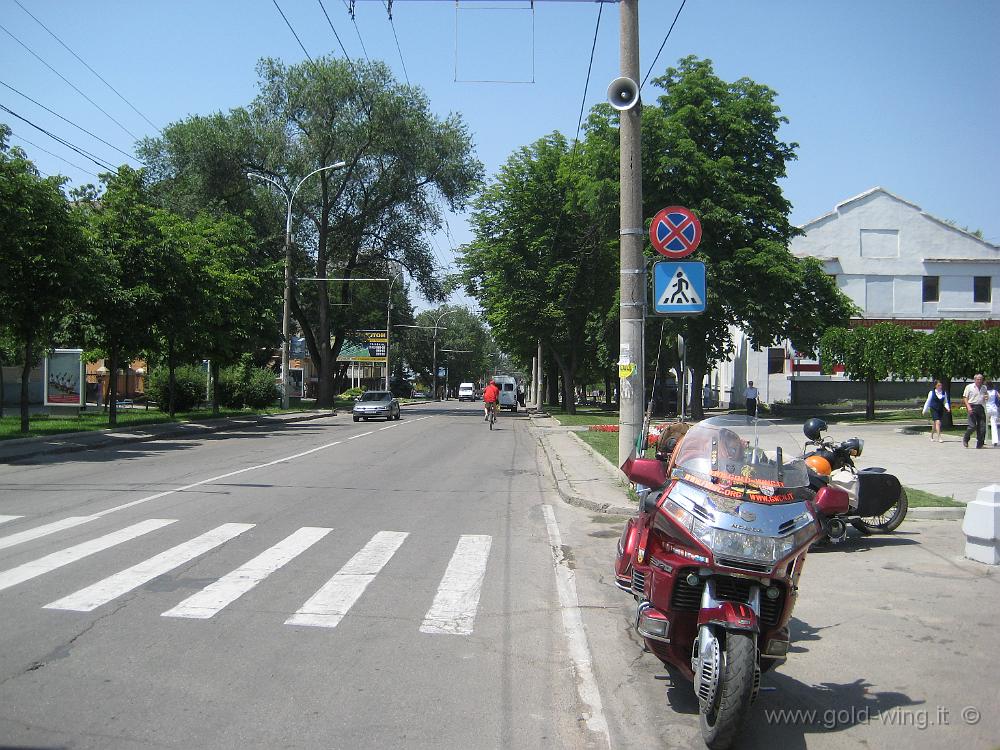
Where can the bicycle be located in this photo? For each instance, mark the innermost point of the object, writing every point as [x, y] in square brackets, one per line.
[493, 414]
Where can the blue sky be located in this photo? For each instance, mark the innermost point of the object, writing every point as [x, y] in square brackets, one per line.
[897, 93]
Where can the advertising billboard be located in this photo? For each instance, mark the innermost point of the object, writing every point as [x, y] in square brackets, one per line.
[363, 346]
[64, 378]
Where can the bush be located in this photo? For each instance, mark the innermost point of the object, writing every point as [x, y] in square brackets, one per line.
[351, 393]
[230, 388]
[259, 388]
[189, 382]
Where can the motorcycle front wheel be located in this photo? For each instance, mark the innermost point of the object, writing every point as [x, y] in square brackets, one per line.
[721, 720]
[885, 522]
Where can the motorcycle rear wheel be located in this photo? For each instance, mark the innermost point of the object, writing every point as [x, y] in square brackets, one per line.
[721, 721]
[886, 522]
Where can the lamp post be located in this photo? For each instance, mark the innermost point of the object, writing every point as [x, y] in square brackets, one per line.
[388, 313]
[435, 328]
[286, 308]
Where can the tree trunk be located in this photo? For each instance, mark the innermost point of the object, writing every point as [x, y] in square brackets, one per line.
[1, 390]
[567, 370]
[607, 390]
[25, 374]
[870, 399]
[697, 376]
[339, 382]
[214, 367]
[171, 378]
[552, 379]
[113, 387]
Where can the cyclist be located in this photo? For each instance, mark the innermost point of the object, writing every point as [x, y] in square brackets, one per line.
[490, 398]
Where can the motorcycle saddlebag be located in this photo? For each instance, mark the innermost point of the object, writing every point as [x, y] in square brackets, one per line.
[877, 492]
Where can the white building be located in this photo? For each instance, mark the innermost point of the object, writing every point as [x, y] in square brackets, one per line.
[897, 263]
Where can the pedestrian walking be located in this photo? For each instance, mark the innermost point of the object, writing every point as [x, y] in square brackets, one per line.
[992, 410]
[751, 394]
[937, 404]
[974, 397]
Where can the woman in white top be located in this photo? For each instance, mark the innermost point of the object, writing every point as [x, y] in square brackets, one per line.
[937, 404]
[992, 410]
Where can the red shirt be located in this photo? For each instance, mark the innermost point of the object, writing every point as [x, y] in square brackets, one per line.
[491, 394]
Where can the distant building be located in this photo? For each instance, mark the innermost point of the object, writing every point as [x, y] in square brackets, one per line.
[897, 263]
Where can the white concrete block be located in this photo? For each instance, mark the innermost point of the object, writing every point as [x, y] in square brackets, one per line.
[982, 526]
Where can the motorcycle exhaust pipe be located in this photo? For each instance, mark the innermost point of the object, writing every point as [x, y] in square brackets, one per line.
[836, 530]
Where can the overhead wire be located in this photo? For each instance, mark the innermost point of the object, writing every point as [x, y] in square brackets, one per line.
[335, 34]
[676, 16]
[82, 152]
[291, 29]
[392, 25]
[50, 153]
[68, 82]
[66, 120]
[87, 66]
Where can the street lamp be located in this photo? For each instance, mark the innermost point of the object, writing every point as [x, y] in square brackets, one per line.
[388, 312]
[435, 327]
[286, 309]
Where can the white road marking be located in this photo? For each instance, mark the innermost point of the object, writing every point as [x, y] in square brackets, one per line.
[576, 636]
[40, 531]
[454, 608]
[114, 586]
[43, 565]
[363, 434]
[5, 519]
[327, 607]
[231, 587]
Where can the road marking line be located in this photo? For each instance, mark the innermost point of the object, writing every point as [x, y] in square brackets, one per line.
[454, 608]
[110, 588]
[363, 434]
[43, 565]
[5, 519]
[327, 607]
[40, 531]
[576, 636]
[232, 586]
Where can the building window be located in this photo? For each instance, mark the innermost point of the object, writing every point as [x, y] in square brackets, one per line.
[775, 361]
[981, 289]
[931, 289]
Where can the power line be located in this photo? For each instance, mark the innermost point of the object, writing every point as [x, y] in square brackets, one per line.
[78, 127]
[50, 153]
[63, 141]
[590, 68]
[678, 15]
[289, 25]
[388, 8]
[82, 61]
[68, 83]
[334, 30]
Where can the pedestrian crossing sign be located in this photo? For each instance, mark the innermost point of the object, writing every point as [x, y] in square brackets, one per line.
[679, 288]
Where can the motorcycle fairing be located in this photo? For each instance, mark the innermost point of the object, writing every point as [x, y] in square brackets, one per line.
[730, 615]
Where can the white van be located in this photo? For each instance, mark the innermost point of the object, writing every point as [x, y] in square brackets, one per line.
[508, 391]
[466, 392]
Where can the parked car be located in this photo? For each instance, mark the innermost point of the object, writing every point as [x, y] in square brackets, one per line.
[508, 391]
[466, 392]
[373, 404]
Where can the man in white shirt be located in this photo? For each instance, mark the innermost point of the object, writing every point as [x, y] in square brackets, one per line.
[750, 394]
[974, 398]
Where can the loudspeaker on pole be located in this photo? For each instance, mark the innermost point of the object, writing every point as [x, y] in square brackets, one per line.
[623, 93]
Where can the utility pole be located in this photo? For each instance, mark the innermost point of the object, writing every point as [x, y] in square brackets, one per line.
[632, 233]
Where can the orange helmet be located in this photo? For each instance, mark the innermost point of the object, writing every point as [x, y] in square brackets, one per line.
[819, 465]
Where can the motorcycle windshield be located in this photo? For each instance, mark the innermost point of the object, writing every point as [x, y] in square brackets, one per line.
[743, 458]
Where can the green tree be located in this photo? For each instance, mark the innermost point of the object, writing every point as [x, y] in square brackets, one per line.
[401, 162]
[43, 256]
[128, 272]
[462, 331]
[713, 146]
[956, 350]
[542, 262]
[871, 354]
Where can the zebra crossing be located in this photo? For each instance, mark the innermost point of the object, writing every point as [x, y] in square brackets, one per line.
[452, 611]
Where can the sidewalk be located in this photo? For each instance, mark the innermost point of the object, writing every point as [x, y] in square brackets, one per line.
[587, 479]
[70, 442]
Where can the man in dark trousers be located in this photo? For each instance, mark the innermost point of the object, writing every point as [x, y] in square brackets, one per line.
[750, 394]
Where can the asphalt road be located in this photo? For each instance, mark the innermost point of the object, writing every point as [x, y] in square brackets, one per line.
[325, 584]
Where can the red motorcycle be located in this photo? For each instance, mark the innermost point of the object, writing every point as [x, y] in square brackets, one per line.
[713, 558]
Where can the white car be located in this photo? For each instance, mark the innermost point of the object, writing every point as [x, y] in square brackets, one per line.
[508, 391]
[466, 392]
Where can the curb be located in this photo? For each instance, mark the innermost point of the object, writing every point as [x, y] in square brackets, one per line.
[601, 458]
[137, 435]
[935, 514]
[564, 488]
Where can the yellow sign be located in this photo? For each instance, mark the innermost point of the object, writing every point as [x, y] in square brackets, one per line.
[625, 371]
